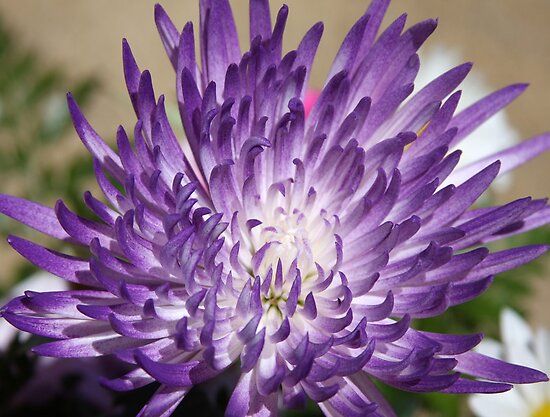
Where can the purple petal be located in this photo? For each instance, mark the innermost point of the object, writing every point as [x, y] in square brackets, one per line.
[469, 119]
[57, 328]
[131, 72]
[348, 53]
[469, 386]
[434, 92]
[85, 347]
[132, 380]
[168, 34]
[65, 266]
[506, 260]
[509, 158]
[95, 144]
[260, 19]
[219, 40]
[307, 49]
[184, 374]
[82, 230]
[245, 400]
[163, 402]
[466, 194]
[376, 11]
[481, 366]
[32, 214]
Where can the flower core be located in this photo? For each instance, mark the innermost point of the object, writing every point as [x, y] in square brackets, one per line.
[543, 411]
[287, 237]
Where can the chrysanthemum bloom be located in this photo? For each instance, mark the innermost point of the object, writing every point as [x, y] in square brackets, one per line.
[520, 344]
[300, 249]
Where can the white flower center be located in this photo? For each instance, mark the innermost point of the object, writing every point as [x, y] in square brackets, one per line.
[288, 241]
[294, 239]
[283, 237]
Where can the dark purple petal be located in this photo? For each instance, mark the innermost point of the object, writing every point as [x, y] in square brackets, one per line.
[307, 49]
[466, 194]
[469, 386]
[32, 214]
[95, 144]
[376, 11]
[185, 374]
[470, 118]
[219, 39]
[131, 72]
[481, 366]
[65, 266]
[260, 19]
[509, 158]
[348, 53]
[506, 260]
[168, 34]
[82, 230]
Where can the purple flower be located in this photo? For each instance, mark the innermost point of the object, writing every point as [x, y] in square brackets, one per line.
[301, 248]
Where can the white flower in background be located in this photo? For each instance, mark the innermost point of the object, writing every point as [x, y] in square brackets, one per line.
[39, 282]
[522, 346]
[495, 134]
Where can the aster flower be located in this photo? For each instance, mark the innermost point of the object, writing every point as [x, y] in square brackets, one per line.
[520, 344]
[299, 249]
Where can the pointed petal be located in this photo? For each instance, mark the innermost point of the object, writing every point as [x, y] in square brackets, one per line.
[247, 402]
[510, 158]
[163, 402]
[34, 215]
[481, 366]
[260, 19]
[65, 266]
[95, 144]
[469, 119]
[168, 34]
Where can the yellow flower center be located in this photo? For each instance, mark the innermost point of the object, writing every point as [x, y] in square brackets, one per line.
[542, 411]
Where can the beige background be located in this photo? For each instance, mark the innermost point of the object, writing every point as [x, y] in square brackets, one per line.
[509, 41]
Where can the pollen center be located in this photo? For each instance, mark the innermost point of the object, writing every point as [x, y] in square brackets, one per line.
[542, 411]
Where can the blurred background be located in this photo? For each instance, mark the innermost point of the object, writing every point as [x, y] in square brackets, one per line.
[48, 48]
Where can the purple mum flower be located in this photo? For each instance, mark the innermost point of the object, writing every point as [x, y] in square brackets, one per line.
[301, 248]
